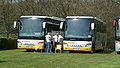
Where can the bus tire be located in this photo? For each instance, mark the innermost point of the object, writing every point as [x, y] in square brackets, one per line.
[28, 50]
[70, 51]
[118, 52]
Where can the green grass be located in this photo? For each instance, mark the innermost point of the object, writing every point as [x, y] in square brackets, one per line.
[20, 59]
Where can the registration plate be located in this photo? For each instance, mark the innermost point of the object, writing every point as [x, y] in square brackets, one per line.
[76, 48]
[28, 47]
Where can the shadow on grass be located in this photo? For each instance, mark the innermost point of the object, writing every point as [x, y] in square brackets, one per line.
[2, 61]
[32, 50]
[80, 52]
[106, 52]
[97, 52]
[7, 49]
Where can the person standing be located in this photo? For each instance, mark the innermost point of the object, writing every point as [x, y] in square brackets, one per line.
[57, 39]
[48, 43]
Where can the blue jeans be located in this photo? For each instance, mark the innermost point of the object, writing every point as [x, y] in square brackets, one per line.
[48, 47]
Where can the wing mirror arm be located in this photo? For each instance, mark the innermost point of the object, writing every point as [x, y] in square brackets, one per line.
[92, 26]
[61, 25]
[44, 25]
[15, 24]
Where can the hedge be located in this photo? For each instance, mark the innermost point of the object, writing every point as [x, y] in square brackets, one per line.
[7, 43]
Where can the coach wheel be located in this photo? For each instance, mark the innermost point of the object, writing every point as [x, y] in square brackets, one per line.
[28, 50]
[118, 52]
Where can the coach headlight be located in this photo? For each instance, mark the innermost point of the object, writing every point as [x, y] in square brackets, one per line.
[19, 43]
[88, 45]
[117, 43]
[41, 43]
[65, 44]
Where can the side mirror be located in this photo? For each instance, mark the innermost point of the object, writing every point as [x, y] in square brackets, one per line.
[44, 25]
[92, 26]
[15, 24]
[61, 25]
[113, 23]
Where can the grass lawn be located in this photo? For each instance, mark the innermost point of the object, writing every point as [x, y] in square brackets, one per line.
[20, 59]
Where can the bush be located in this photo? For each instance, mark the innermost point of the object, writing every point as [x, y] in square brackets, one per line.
[7, 43]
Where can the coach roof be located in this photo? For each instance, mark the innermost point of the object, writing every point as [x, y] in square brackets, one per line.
[87, 17]
[79, 17]
[34, 16]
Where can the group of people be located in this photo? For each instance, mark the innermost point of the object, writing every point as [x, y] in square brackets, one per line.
[52, 41]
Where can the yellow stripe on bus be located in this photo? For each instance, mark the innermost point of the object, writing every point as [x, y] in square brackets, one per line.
[80, 49]
[31, 47]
